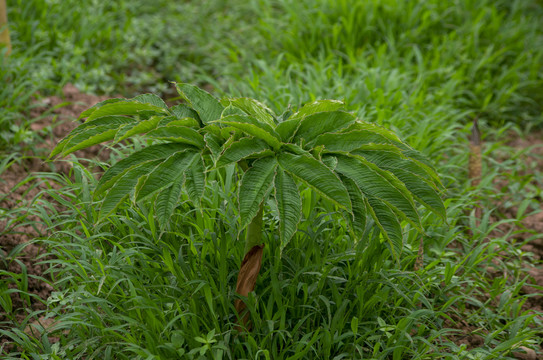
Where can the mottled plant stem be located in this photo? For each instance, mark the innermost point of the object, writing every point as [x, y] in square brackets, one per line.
[252, 261]
[4, 32]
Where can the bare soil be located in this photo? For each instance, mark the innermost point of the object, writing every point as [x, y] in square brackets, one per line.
[16, 198]
[18, 253]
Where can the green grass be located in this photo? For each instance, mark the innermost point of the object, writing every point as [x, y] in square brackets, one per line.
[125, 290]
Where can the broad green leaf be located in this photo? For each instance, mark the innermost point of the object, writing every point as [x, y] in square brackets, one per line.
[140, 127]
[207, 107]
[166, 202]
[379, 184]
[181, 134]
[231, 110]
[374, 128]
[164, 174]
[111, 122]
[151, 99]
[96, 106]
[253, 127]
[422, 161]
[422, 191]
[387, 221]
[183, 111]
[317, 107]
[417, 162]
[195, 180]
[125, 108]
[173, 121]
[295, 149]
[349, 141]
[150, 153]
[214, 129]
[104, 120]
[289, 205]
[254, 108]
[358, 218]
[314, 125]
[241, 149]
[317, 176]
[92, 136]
[411, 174]
[255, 184]
[408, 156]
[124, 185]
[287, 129]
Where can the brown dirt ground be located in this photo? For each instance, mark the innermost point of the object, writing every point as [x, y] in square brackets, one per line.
[17, 198]
[529, 232]
[22, 232]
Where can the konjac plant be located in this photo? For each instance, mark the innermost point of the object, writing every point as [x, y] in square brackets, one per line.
[362, 170]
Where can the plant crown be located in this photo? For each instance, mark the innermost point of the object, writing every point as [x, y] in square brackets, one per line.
[365, 170]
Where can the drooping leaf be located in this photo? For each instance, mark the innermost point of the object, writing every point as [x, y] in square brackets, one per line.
[107, 122]
[314, 125]
[376, 129]
[111, 120]
[411, 173]
[151, 99]
[317, 107]
[91, 136]
[139, 127]
[195, 180]
[254, 108]
[207, 107]
[96, 106]
[399, 154]
[150, 153]
[230, 109]
[422, 161]
[349, 141]
[126, 108]
[358, 218]
[295, 149]
[289, 205]
[182, 111]
[241, 149]
[253, 127]
[387, 221]
[255, 184]
[181, 134]
[166, 202]
[381, 185]
[124, 186]
[173, 121]
[317, 176]
[165, 173]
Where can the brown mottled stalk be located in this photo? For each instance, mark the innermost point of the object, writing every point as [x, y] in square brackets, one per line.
[4, 32]
[475, 163]
[420, 256]
[252, 261]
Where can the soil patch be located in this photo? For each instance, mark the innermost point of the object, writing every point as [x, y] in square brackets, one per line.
[20, 271]
[527, 234]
